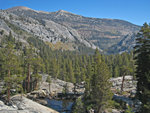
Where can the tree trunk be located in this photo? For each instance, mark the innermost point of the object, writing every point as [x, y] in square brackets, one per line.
[28, 86]
[49, 88]
[99, 109]
[8, 88]
[36, 84]
[25, 85]
[25, 82]
[122, 83]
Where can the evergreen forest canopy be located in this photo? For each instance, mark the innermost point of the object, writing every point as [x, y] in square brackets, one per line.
[65, 65]
[21, 67]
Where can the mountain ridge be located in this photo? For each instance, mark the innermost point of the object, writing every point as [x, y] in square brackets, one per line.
[62, 25]
[63, 11]
[19, 7]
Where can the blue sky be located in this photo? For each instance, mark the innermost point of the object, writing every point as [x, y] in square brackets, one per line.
[134, 11]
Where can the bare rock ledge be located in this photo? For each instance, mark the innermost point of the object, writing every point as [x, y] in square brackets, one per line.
[24, 105]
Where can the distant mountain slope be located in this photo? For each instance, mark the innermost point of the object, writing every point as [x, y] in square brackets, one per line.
[125, 45]
[101, 32]
[65, 27]
[47, 30]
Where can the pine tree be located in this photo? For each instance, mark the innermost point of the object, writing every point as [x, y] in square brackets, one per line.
[88, 79]
[79, 106]
[77, 72]
[116, 71]
[101, 93]
[71, 73]
[63, 72]
[29, 58]
[49, 83]
[142, 57]
[11, 67]
[37, 68]
[54, 68]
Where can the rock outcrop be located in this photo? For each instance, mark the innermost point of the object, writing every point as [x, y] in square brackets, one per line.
[57, 86]
[129, 91]
[24, 105]
[129, 84]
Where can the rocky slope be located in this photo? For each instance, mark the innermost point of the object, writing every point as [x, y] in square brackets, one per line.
[57, 86]
[68, 28]
[24, 105]
[124, 45]
[46, 29]
[101, 32]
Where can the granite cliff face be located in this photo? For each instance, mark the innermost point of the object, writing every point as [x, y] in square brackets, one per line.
[67, 28]
[126, 44]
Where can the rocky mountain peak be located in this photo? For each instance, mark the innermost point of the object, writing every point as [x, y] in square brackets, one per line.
[62, 12]
[19, 8]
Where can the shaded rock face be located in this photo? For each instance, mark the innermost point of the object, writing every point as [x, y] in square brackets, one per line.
[124, 45]
[24, 105]
[37, 94]
[135, 104]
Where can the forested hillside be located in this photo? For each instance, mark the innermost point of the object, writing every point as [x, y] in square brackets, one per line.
[66, 65]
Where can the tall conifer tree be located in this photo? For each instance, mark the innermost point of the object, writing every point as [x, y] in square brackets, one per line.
[101, 94]
[142, 57]
[29, 58]
[11, 67]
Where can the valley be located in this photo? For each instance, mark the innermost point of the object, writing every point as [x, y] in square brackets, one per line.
[63, 62]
